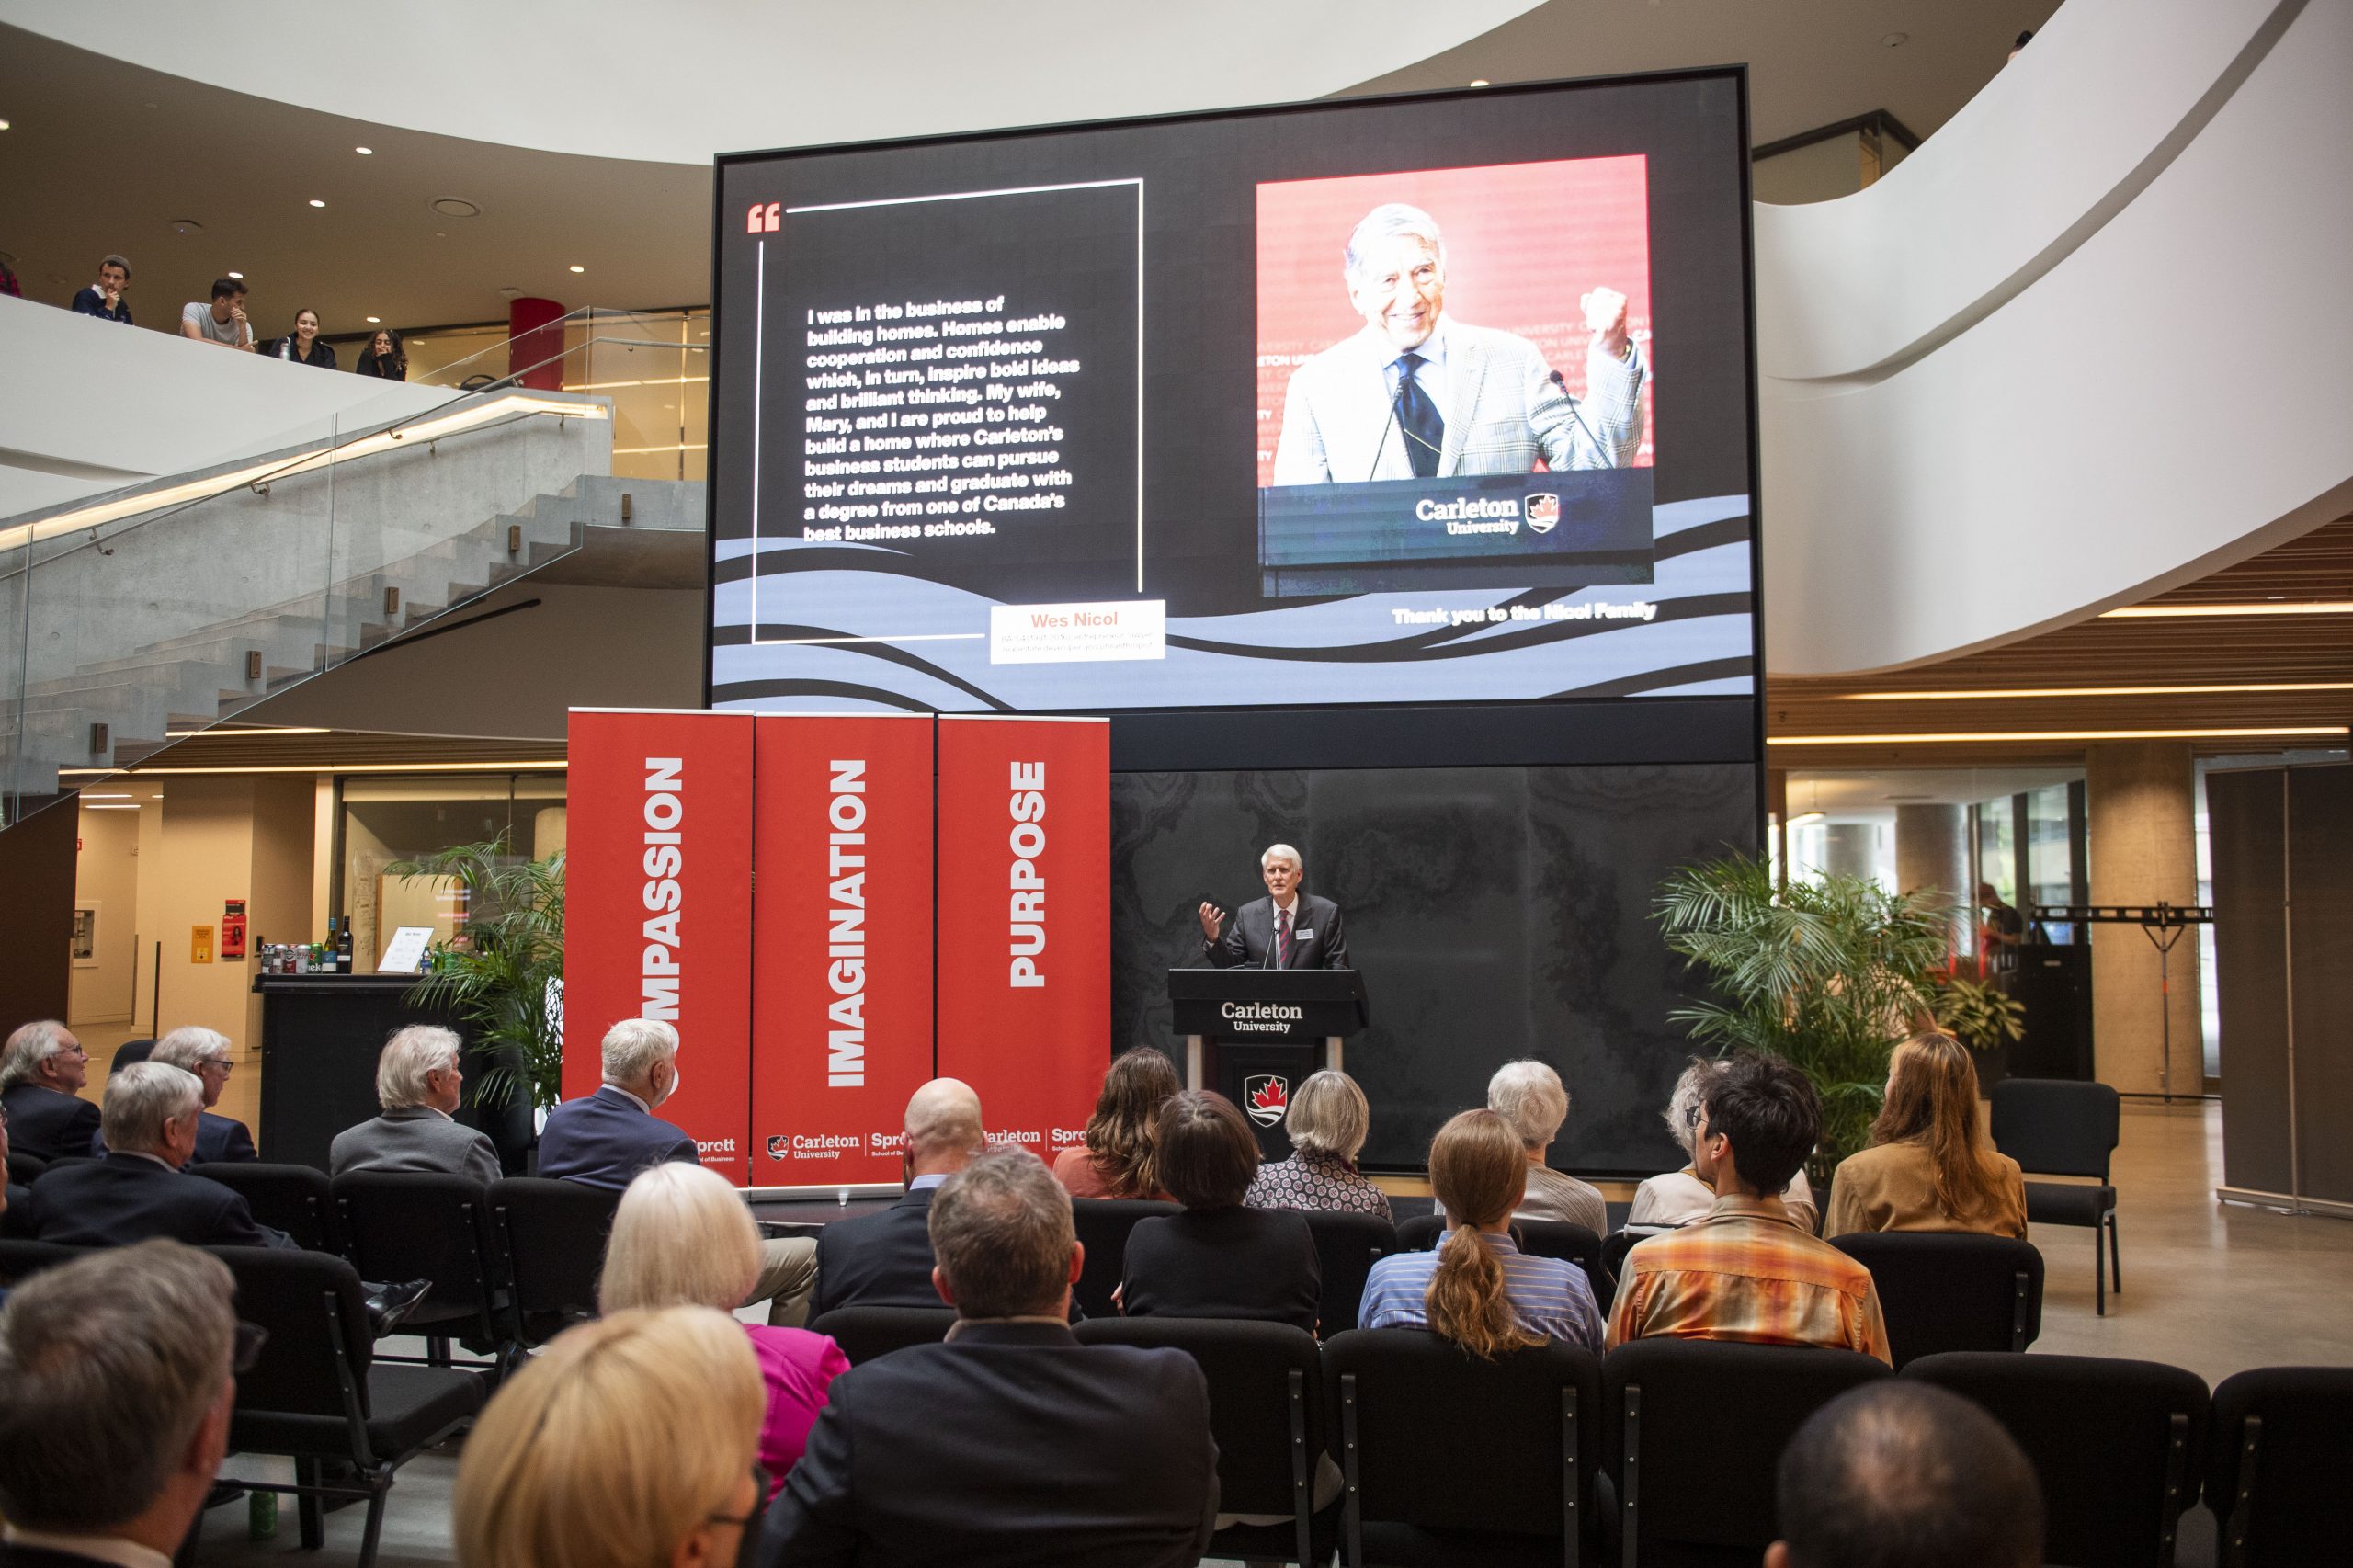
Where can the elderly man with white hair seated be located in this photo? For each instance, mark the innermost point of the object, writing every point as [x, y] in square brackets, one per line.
[419, 1084]
[42, 1070]
[1530, 1097]
[139, 1190]
[605, 1139]
[204, 1052]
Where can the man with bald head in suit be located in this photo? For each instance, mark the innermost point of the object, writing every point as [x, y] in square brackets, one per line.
[885, 1260]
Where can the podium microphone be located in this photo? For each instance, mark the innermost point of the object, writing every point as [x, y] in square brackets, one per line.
[1557, 380]
[1393, 419]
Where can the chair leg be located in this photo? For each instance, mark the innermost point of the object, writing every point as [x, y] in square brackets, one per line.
[2115, 1256]
[309, 1509]
[2099, 1270]
[377, 1488]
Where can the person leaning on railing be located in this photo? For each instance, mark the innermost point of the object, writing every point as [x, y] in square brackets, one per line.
[384, 357]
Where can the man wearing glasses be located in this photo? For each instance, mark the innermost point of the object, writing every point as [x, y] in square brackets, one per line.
[42, 1070]
[205, 1053]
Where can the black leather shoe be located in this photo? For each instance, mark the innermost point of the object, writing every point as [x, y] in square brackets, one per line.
[390, 1304]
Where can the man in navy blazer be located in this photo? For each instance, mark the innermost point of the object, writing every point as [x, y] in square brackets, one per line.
[138, 1191]
[1009, 1443]
[41, 1070]
[607, 1138]
[884, 1260]
[1286, 930]
[204, 1052]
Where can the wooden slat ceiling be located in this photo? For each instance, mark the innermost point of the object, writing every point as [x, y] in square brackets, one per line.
[2196, 651]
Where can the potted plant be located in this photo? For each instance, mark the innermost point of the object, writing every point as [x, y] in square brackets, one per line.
[1830, 976]
[503, 973]
[1984, 1019]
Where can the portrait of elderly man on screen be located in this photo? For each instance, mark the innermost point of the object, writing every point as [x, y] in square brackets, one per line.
[1417, 395]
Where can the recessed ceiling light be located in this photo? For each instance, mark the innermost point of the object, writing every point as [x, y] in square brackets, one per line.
[4, 125]
[187, 226]
[1479, 81]
[2175, 611]
[316, 202]
[365, 152]
[579, 269]
[373, 320]
[1895, 40]
[455, 207]
[238, 275]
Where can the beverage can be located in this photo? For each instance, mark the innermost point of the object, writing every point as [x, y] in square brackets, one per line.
[261, 1515]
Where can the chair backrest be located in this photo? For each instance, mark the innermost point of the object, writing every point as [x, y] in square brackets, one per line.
[21, 1259]
[1664, 1405]
[1941, 1292]
[2282, 1452]
[2118, 1444]
[2056, 1126]
[25, 1168]
[553, 1235]
[1614, 1248]
[307, 1300]
[1103, 1225]
[1346, 1249]
[1421, 1232]
[1571, 1244]
[864, 1333]
[129, 1053]
[1253, 1401]
[1416, 1397]
[297, 1199]
[424, 1225]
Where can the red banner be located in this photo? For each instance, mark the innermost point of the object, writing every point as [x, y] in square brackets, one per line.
[658, 873]
[1025, 920]
[841, 1009]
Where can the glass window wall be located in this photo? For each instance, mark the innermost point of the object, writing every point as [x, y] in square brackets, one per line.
[381, 819]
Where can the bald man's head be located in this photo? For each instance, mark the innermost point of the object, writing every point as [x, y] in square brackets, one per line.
[943, 1128]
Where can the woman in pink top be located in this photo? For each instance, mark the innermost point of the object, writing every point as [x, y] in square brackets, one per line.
[683, 1238]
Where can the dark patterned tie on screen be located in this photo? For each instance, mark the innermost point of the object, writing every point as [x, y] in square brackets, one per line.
[1425, 430]
[1282, 939]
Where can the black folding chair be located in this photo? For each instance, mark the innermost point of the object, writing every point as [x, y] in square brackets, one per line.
[317, 1395]
[1103, 1225]
[1614, 1248]
[864, 1333]
[21, 1259]
[1941, 1292]
[1419, 1493]
[1267, 1413]
[129, 1053]
[297, 1199]
[1346, 1246]
[427, 1225]
[2282, 1452]
[552, 1234]
[2118, 1444]
[2062, 1127]
[1665, 1402]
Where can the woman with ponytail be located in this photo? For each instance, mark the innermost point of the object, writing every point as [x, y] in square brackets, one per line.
[1478, 1289]
[1929, 1166]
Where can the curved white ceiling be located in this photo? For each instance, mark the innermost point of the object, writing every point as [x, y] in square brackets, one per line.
[681, 82]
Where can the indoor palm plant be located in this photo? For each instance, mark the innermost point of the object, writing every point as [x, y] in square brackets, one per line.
[1829, 975]
[1984, 1019]
[503, 976]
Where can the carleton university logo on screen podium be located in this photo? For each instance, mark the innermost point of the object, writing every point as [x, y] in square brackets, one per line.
[1266, 1097]
[1543, 512]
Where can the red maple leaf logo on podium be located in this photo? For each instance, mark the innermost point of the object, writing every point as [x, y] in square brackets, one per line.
[1266, 1097]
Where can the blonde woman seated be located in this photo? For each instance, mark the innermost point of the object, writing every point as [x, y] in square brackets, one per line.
[682, 1237]
[1327, 1123]
[1478, 1290]
[627, 1443]
[1929, 1166]
[1116, 1161]
[1531, 1099]
[1671, 1202]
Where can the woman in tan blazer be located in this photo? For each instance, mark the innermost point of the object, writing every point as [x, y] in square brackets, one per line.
[1929, 1166]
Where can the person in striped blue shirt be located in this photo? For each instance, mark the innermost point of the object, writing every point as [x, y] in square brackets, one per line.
[1478, 1289]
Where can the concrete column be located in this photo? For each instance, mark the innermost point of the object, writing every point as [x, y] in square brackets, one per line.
[2142, 829]
[1932, 851]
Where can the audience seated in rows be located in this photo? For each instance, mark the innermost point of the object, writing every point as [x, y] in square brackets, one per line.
[1530, 1097]
[1677, 1198]
[683, 1238]
[1748, 1271]
[204, 1052]
[1010, 1443]
[884, 1260]
[1218, 1259]
[419, 1083]
[1327, 1122]
[605, 1139]
[628, 1441]
[1477, 1288]
[1929, 1166]
[139, 1190]
[42, 1070]
[1900, 1474]
[1116, 1161]
[121, 1376]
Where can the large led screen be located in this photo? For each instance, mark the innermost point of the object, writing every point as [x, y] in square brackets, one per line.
[1437, 399]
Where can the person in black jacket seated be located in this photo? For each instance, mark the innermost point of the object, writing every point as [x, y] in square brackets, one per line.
[302, 345]
[1010, 1443]
[1218, 1259]
[384, 357]
[884, 1260]
[204, 1052]
[120, 1371]
[41, 1071]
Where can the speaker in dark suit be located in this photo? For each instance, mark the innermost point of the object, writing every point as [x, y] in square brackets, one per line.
[128, 1198]
[48, 1124]
[1287, 929]
[607, 1138]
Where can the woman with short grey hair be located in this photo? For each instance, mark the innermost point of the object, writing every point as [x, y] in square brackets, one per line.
[1666, 1202]
[1327, 1123]
[1533, 1102]
[420, 1083]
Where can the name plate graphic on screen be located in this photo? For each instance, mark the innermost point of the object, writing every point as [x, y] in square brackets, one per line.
[842, 998]
[658, 896]
[1025, 920]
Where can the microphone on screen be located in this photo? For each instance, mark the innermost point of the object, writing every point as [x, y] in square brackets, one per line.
[1561, 383]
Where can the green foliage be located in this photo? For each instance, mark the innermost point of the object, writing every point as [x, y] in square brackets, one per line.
[1977, 1015]
[509, 968]
[1829, 976]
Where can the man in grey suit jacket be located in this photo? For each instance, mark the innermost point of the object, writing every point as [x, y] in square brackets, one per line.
[1419, 395]
[1287, 929]
[419, 1083]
